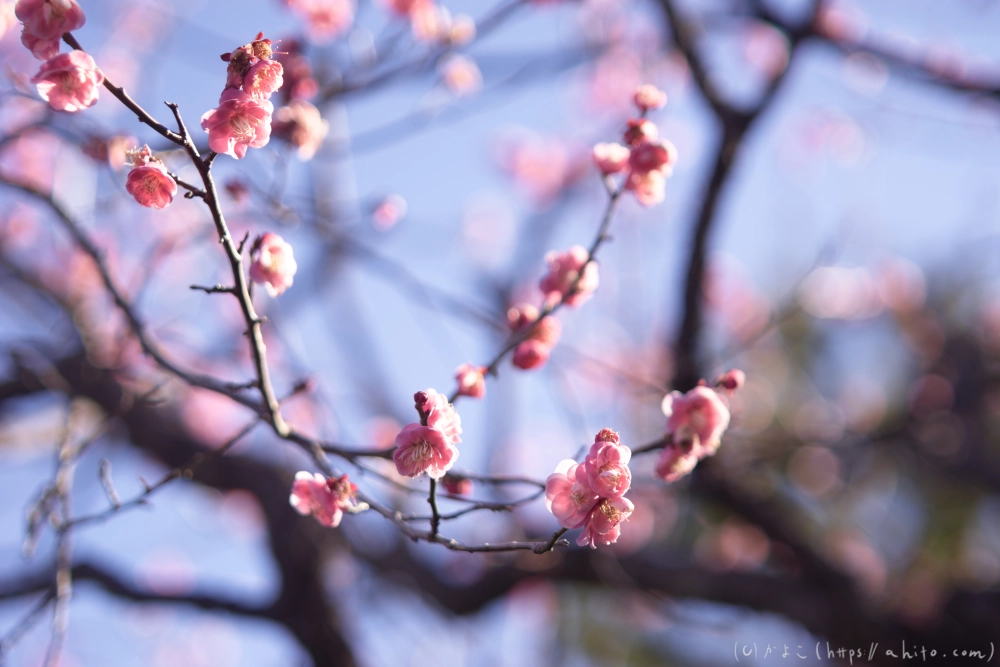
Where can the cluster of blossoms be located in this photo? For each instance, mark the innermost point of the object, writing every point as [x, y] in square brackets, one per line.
[67, 81]
[645, 159]
[243, 118]
[591, 495]
[429, 447]
[696, 421]
[149, 181]
[272, 263]
[325, 498]
[434, 24]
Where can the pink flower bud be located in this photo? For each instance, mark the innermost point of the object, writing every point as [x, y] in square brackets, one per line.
[43, 49]
[148, 181]
[648, 97]
[731, 380]
[607, 435]
[69, 81]
[639, 130]
[521, 315]
[49, 19]
[564, 280]
[568, 494]
[272, 263]
[530, 354]
[457, 486]
[471, 381]
[423, 449]
[238, 123]
[611, 158]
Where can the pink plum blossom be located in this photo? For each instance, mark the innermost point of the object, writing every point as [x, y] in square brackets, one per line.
[675, 462]
[300, 124]
[461, 74]
[272, 263]
[436, 412]
[649, 98]
[263, 78]
[568, 494]
[531, 354]
[148, 181]
[239, 122]
[604, 522]
[326, 18]
[49, 19]
[699, 417]
[564, 280]
[326, 499]
[69, 81]
[423, 449]
[653, 156]
[388, 212]
[471, 381]
[607, 465]
[404, 7]
[639, 130]
[611, 158]
[41, 48]
[648, 187]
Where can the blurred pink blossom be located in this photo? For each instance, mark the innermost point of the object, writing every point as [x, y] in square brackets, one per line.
[262, 79]
[301, 124]
[611, 158]
[471, 381]
[571, 276]
[649, 98]
[69, 81]
[272, 263]
[326, 19]
[388, 212]
[49, 19]
[324, 498]
[530, 354]
[457, 486]
[461, 74]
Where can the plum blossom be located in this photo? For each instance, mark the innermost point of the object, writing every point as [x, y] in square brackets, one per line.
[649, 98]
[272, 263]
[607, 465]
[41, 48]
[301, 125]
[49, 19]
[263, 78]
[571, 277]
[653, 156]
[148, 181]
[604, 522]
[648, 187]
[436, 412]
[534, 351]
[461, 74]
[423, 449]
[471, 380]
[69, 81]
[696, 421]
[568, 494]
[611, 158]
[238, 123]
[326, 18]
[325, 498]
[639, 130]
[388, 212]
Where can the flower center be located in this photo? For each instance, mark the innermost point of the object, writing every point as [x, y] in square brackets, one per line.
[242, 127]
[613, 513]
